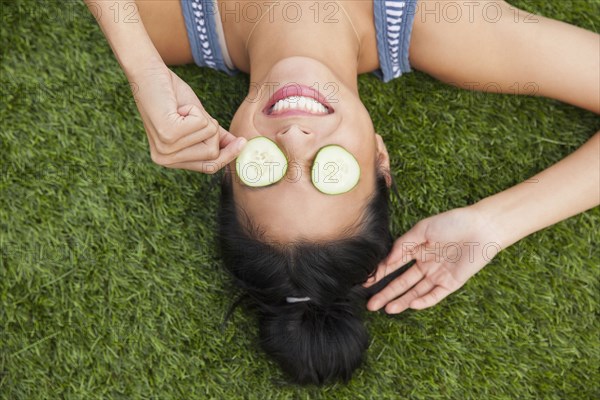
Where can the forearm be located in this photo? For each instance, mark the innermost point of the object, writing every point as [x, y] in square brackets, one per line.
[122, 25]
[567, 188]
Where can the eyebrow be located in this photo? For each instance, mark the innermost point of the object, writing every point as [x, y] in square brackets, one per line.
[256, 189]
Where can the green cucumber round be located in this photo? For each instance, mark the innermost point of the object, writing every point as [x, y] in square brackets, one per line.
[335, 170]
[261, 163]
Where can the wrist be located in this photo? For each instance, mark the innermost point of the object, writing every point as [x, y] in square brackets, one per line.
[135, 68]
[499, 215]
[136, 54]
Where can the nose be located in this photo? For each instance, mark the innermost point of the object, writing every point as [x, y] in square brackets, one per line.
[298, 144]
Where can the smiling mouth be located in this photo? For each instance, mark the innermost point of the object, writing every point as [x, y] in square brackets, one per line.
[295, 99]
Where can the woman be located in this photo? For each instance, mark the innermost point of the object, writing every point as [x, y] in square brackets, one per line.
[309, 261]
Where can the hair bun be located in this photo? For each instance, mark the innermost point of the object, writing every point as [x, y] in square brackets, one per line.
[313, 343]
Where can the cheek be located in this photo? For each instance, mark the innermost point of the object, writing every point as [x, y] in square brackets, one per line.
[362, 118]
[363, 142]
[242, 123]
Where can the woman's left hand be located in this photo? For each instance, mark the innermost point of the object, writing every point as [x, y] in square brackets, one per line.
[449, 248]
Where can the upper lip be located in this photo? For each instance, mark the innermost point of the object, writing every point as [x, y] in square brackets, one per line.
[295, 89]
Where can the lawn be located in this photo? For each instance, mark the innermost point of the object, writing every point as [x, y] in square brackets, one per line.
[110, 282]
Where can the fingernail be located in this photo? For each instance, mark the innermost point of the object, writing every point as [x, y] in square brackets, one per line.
[241, 143]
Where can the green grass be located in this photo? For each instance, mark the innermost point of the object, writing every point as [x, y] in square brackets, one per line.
[110, 286]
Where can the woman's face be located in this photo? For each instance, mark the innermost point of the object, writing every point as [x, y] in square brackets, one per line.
[294, 207]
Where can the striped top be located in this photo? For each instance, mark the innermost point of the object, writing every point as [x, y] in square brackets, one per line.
[393, 26]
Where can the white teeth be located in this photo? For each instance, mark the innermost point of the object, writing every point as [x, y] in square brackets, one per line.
[302, 102]
[299, 103]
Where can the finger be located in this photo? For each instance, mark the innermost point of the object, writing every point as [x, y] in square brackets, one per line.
[183, 122]
[206, 150]
[193, 117]
[402, 303]
[231, 150]
[404, 250]
[406, 246]
[396, 288]
[225, 138]
[192, 139]
[228, 154]
[169, 106]
[203, 151]
[433, 297]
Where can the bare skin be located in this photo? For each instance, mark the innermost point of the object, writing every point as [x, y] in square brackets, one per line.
[305, 59]
[471, 50]
[497, 52]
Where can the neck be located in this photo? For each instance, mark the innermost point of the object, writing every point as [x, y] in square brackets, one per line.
[275, 38]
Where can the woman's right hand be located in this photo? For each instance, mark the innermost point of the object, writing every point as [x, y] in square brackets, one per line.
[180, 132]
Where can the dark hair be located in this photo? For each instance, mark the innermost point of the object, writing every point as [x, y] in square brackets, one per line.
[323, 339]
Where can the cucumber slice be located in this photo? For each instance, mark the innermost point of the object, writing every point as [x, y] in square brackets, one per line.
[335, 170]
[261, 163]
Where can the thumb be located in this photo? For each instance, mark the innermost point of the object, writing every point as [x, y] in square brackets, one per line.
[225, 138]
[230, 147]
[403, 251]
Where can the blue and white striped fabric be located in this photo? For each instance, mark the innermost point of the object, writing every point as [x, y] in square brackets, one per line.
[393, 25]
[200, 22]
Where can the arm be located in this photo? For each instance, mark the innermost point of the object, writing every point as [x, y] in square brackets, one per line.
[181, 134]
[450, 248]
[517, 47]
[564, 62]
[125, 33]
[508, 53]
[565, 189]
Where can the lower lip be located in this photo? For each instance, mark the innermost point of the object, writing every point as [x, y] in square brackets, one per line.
[297, 90]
